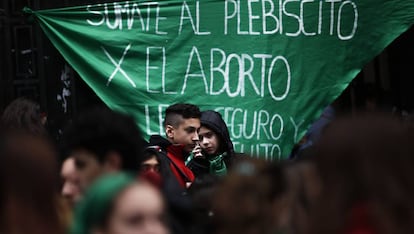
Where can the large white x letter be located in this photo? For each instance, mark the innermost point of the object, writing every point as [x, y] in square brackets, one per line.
[118, 66]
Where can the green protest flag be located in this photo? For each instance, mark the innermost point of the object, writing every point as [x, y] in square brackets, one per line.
[269, 66]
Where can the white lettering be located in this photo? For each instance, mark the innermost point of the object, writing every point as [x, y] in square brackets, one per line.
[100, 22]
[284, 95]
[188, 74]
[118, 66]
[355, 25]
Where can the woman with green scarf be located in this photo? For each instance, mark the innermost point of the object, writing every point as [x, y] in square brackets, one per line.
[215, 152]
[119, 203]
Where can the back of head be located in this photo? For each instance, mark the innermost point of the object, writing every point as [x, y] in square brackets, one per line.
[202, 190]
[364, 146]
[365, 164]
[201, 193]
[101, 131]
[243, 200]
[28, 181]
[24, 115]
[175, 113]
[214, 121]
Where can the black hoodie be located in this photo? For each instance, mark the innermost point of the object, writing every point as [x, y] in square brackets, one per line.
[214, 121]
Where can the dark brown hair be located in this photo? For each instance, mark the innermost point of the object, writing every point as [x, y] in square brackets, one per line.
[28, 174]
[366, 168]
[174, 114]
[242, 203]
[24, 115]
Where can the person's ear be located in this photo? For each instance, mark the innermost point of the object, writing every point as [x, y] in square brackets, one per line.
[169, 131]
[113, 162]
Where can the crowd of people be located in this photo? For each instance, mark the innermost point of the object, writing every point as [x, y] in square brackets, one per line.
[103, 177]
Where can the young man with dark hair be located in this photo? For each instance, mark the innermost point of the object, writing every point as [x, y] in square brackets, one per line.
[181, 123]
[102, 141]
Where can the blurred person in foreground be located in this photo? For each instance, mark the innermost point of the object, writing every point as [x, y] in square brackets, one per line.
[120, 204]
[70, 182]
[366, 170]
[101, 141]
[29, 185]
[244, 200]
[202, 192]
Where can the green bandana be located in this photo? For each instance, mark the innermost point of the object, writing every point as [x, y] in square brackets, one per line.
[217, 165]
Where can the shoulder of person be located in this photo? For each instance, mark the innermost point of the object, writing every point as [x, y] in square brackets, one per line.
[234, 158]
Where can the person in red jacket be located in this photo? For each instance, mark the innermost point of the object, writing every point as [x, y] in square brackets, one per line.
[181, 123]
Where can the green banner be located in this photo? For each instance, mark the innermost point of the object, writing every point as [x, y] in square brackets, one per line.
[269, 66]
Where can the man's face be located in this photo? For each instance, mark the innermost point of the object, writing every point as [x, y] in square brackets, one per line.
[186, 133]
[88, 168]
[70, 182]
[209, 141]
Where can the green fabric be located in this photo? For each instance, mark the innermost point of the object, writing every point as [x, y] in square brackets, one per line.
[93, 208]
[217, 165]
[268, 66]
